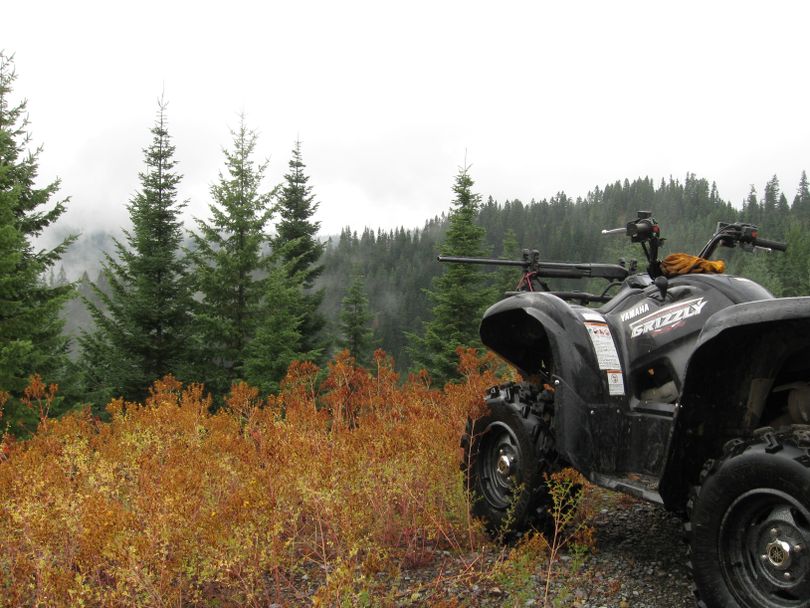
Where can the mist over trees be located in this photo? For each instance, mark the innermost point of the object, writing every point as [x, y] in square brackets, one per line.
[251, 288]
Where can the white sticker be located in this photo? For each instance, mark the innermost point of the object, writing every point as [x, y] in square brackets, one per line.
[603, 345]
[615, 383]
[590, 315]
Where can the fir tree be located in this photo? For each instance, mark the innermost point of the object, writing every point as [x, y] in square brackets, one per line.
[296, 240]
[459, 294]
[31, 338]
[143, 321]
[227, 260]
[355, 318]
[801, 202]
[278, 335]
[752, 212]
[507, 277]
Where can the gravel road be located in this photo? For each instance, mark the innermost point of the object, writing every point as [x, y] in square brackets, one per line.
[640, 561]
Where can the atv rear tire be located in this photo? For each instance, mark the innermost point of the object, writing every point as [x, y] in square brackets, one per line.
[507, 453]
[750, 524]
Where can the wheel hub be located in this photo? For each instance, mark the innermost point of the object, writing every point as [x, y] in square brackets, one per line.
[500, 465]
[779, 553]
[505, 464]
[781, 557]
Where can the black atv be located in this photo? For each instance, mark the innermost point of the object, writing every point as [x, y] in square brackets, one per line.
[683, 388]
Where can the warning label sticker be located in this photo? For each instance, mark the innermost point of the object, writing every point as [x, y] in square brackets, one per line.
[615, 383]
[604, 346]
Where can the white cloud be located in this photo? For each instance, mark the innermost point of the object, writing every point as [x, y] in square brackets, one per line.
[387, 97]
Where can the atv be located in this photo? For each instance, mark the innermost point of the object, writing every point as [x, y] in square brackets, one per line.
[680, 385]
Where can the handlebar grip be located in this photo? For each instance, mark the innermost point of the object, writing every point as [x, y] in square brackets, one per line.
[775, 245]
[615, 231]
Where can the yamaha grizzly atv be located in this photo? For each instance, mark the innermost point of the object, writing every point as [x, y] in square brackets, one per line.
[686, 388]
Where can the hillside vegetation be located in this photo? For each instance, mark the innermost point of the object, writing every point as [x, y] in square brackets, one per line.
[310, 493]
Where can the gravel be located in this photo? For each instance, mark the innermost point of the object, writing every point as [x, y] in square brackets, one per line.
[639, 561]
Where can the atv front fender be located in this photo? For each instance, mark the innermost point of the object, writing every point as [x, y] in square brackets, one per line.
[738, 355]
[539, 332]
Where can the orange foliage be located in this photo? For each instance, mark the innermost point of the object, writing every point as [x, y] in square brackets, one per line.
[39, 398]
[5, 438]
[299, 498]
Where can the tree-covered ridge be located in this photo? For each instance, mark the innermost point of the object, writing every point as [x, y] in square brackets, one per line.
[399, 265]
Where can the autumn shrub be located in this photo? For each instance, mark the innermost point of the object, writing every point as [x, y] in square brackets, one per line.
[300, 497]
[535, 558]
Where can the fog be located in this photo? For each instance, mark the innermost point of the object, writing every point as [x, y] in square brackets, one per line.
[389, 99]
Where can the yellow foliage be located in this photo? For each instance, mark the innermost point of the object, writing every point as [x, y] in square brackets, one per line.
[307, 494]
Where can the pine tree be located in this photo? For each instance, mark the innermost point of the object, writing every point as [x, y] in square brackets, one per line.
[227, 259]
[143, 322]
[355, 319]
[458, 295]
[31, 338]
[297, 242]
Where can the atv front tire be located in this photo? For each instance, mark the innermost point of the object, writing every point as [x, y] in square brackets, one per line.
[750, 524]
[507, 452]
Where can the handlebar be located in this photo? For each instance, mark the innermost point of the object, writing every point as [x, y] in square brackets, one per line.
[746, 235]
[768, 244]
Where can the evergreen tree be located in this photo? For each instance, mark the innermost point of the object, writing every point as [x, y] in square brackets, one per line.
[507, 277]
[459, 295]
[297, 242]
[752, 212]
[227, 259]
[355, 318]
[278, 334]
[143, 321]
[31, 338]
[801, 202]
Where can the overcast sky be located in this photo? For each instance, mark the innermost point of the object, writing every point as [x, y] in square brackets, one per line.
[388, 97]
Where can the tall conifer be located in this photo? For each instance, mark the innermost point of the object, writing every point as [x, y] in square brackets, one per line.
[296, 241]
[31, 338]
[459, 294]
[143, 321]
[228, 258]
[801, 202]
